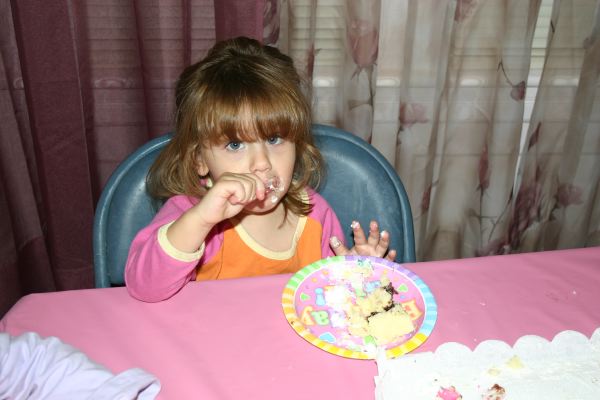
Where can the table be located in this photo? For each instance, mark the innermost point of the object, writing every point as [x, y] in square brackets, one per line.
[230, 340]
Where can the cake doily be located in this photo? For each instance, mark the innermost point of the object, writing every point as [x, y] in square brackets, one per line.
[568, 367]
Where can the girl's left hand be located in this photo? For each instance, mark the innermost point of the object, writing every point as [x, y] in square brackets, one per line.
[376, 244]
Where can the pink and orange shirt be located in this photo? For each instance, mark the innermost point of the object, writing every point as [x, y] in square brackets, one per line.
[156, 270]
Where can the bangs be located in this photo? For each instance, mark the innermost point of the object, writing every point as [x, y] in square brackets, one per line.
[250, 112]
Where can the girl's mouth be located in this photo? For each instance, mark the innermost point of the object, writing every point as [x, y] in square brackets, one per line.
[274, 187]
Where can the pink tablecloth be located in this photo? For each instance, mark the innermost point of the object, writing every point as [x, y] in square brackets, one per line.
[230, 339]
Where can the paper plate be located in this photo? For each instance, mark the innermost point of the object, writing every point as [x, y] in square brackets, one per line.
[312, 309]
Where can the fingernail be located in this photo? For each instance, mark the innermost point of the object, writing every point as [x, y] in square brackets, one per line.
[335, 242]
[384, 233]
[354, 225]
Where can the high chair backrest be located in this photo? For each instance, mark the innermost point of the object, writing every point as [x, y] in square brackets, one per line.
[359, 184]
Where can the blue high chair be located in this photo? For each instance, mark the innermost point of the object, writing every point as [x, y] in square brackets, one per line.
[360, 184]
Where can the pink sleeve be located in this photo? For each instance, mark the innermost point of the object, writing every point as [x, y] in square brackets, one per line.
[150, 273]
[323, 212]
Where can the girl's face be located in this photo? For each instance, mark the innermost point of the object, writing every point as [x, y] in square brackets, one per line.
[267, 159]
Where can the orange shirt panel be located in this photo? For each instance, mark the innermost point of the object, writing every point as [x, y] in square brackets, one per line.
[236, 258]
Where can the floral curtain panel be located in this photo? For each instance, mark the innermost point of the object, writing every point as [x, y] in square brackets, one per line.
[439, 88]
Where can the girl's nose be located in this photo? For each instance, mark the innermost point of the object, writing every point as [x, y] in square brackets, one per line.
[260, 161]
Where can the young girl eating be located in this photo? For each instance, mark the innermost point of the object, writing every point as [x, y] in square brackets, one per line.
[238, 177]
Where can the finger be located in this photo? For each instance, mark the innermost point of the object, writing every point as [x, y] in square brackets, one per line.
[239, 190]
[260, 191]
[249, 192]
[256, 190]
[391, 255]
[338, 247]
[359, 234]
[374, 235]
[383, 244]
[252, 187]
[235, 194]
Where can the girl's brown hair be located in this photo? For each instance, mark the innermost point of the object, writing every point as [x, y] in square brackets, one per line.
[237, 78]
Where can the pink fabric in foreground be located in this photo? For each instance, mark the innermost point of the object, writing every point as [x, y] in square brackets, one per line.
[229, 339]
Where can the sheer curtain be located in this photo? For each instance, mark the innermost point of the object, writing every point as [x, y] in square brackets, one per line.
[557, 204]
[439, 88]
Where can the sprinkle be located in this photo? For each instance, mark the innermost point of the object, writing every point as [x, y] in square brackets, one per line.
[448, 394]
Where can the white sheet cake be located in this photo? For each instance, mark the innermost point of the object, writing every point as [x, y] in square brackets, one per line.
[566, 368]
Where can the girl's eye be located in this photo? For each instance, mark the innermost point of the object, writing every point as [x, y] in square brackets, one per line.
[274, 140]
[234, 146]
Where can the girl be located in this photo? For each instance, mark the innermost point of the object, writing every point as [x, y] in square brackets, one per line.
[238, 175]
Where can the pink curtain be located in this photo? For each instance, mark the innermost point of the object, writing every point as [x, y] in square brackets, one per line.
[82, 85]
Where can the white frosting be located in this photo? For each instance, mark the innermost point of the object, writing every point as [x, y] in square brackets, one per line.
[568, 367]
[338, 297]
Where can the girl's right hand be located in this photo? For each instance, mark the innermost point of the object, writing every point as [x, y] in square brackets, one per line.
[228, 197]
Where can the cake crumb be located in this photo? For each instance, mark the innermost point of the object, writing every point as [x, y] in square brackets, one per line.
[496, 392]
[378, 316]
[515, 363]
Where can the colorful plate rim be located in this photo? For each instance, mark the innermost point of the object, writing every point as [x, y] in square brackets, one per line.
[289, 308]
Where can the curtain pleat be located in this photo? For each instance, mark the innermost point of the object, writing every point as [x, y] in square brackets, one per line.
[24, 263]
[53, 88]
